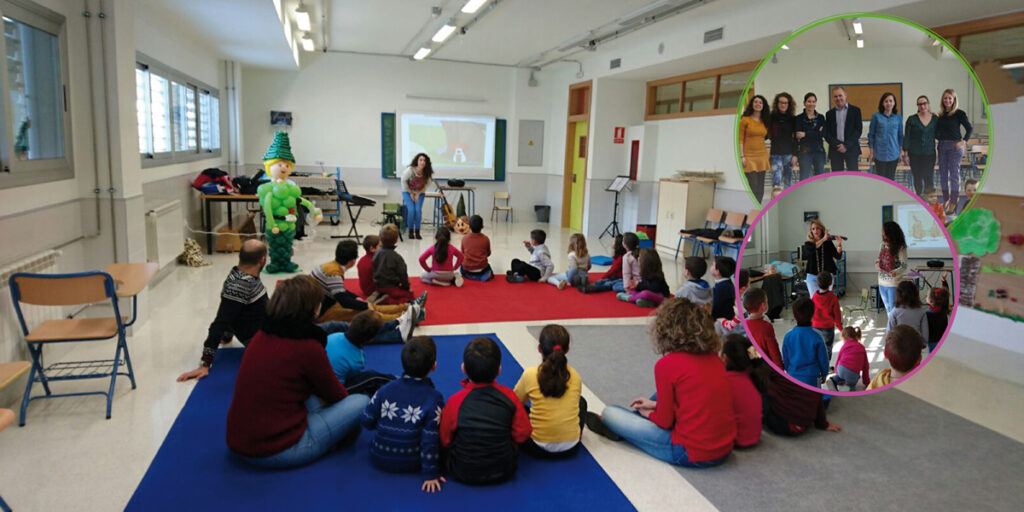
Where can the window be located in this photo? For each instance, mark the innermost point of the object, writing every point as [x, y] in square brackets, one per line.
[178, 117]
[36, 138]
[706, 93]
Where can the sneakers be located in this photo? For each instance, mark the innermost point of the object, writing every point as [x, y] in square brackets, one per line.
[376, 298]
[561, 285]
[459, 280]
[514, 278]
[830, 383]
[623, 296]
[597, 426]
[644, 303]
[421, 300]
[405, 322]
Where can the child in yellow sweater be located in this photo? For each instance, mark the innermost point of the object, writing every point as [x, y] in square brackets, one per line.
[551, 393]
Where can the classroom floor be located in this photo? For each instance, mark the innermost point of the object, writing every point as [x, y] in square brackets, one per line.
[69, 457]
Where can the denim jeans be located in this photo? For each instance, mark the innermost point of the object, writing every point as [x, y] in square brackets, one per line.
[647, 436]
[484, 275]
[812, 284]
[888, 294]
[847, 377]
[829, 337]
[950, 156]
[413, 211]
[782, 170]
[325, 427]
[811, 162]
[605, 285]
[572, 277]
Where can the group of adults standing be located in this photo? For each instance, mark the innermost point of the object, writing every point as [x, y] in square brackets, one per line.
[800, 139]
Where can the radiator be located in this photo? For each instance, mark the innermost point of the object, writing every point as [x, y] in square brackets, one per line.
[165, 233]
[42, 263]
[10, 332]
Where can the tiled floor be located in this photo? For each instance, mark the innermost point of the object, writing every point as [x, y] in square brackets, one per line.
[68, 457]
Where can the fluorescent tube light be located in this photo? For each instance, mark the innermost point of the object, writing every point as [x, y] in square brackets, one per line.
[302, 18]
[1015, 65]
[860, 43]
[473, 6]
[784, 47]
[576, 40]
[646, 11]
[307, 42]
[858, 28]
[443, 33]
[421, 53]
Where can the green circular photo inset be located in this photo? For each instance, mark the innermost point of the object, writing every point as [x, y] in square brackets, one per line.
[866, 92]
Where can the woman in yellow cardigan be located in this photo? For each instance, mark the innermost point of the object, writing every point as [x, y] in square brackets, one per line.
[753, 130]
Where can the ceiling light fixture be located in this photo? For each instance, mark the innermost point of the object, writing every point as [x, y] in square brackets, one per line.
[473, 6]
[647, 11]
[860, 43]
[784, 47]
[302, 18]
[577, 40]
[1014, 65]
[421, 53]
[443, 33]
[307, 42]
[858, 27]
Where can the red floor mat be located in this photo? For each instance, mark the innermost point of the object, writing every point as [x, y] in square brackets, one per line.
[500, 301]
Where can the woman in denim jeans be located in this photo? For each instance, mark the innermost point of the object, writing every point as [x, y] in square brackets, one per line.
[690, 420]
[885, 136]
[781, 128]
[810, 134]
[414, 189]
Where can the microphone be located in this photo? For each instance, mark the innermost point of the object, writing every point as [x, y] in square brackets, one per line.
[835, 237]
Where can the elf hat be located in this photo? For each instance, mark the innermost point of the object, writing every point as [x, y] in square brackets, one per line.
[281, 148]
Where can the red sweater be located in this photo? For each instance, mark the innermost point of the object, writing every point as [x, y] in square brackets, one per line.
[277, 376]
[746, 403]
[763, 334]
[476, 247]
[615, 272]
[365, 268]
[827, 314]
[695, 403]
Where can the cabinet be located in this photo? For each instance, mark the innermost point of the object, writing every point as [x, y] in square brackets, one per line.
[681, 204]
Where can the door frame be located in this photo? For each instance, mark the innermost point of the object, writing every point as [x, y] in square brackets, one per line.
[580, 96]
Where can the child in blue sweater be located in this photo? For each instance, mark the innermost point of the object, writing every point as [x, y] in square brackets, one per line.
[406, 414]
[345, 352]
[803, 349]
[723, 299]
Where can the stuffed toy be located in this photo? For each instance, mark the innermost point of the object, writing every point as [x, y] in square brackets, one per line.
[280, 199]
[462, 225]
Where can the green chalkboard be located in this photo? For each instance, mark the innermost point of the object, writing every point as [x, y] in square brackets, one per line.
[388, 147]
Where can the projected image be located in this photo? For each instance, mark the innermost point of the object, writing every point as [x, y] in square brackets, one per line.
[855, 297]
[458, 146]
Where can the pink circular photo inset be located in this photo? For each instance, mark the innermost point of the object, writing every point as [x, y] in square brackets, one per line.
[855, 205]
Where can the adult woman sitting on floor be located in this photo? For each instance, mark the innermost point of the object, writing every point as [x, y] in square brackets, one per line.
[289, 408]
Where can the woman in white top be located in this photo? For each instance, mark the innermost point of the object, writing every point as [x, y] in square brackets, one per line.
[415, 180]
[891, 263]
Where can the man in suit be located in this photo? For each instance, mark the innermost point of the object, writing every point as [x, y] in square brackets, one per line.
[843, 126]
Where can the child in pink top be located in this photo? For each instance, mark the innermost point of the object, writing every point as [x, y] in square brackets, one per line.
[852, 362]
[446, 258]
[748, 377]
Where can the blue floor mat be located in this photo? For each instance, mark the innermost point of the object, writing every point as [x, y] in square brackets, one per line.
[194, 470]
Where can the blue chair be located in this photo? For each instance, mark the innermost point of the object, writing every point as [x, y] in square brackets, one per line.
[59, 290]
[726, 243]
[712, 221]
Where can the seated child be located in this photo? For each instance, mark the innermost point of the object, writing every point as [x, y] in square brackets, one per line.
[539, 267]
[445, 260]
[790, 409]
[611, 280]
[909, 311]
[724, 296]
[938, 316]
[345, 352]
[390, 274]
[482, 425]
[365, 268]
[970, 188]
[630, 262]
[579, 264]
[748, 379]
[695, 288]
[553, 391]
[755, 303]
[476, 247]
[852, 363]
[803, 350]
[734, 325]
[652, 288]
[903, 351]
[931, 195]
[827, 315]
[690, 421]
[409, 442]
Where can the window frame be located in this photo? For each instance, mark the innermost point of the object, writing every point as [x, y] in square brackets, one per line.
[198, 88]
[716, 73]
[19, 173]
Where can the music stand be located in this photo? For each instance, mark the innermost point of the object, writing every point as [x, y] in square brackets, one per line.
[617, 185]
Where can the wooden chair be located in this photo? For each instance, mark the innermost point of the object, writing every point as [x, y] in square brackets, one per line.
[9, 372]
[6, 418]
[57, 290]
[979, 160]
[737, 221]
[507, 208]
[864, 162]
[713, 220]
[861, 307]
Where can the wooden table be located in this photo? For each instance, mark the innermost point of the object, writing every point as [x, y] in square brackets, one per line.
[220, 198]
[130, 279]
[470, 191]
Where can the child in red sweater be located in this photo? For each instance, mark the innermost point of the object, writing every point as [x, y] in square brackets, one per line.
[748, 378]
[690, 421]
[827, 315]
[852, 363]
[755, 303]
[611, 280]
[476, 247]
[365, 267]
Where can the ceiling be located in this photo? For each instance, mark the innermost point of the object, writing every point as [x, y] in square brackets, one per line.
[878, 33]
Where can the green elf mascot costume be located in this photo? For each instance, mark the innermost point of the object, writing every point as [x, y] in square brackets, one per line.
[280, 199]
